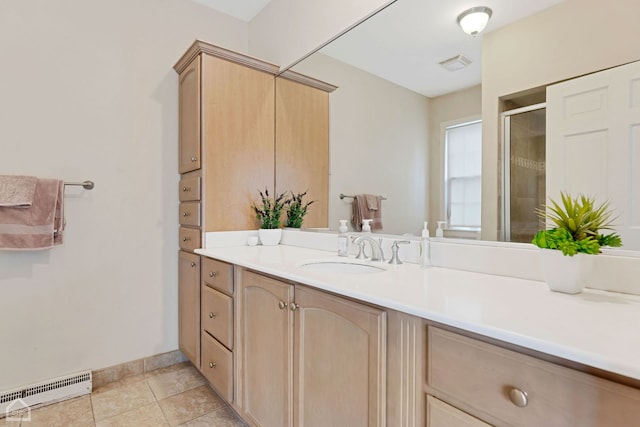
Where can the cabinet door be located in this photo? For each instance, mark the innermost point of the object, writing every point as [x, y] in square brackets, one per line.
[302, 146]
[189, 305]
[266, 337]
[189, 110]
[339, 367]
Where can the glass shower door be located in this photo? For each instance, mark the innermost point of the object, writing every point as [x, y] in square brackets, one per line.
[524, 136]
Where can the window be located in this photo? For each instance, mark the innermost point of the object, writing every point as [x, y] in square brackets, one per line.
[462, 175]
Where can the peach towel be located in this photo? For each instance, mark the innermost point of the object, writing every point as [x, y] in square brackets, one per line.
[367, 206]
[38, 226]
[17, 190]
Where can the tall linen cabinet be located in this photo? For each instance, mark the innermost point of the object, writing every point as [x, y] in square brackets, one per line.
[241, 129]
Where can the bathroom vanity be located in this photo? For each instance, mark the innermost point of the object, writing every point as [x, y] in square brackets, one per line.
[408, 346]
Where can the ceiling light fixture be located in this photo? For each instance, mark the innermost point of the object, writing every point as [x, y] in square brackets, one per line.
[474, 20]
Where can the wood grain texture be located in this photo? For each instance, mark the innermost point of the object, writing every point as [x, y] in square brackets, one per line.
[439, 414]
[217, 366]
[238, 136]
[218, 275]
[189, 186]
[217, 316]
[189, 117]
[189, 305]
[302, 146]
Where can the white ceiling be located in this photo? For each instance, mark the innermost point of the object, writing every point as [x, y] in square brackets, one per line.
[405, 42]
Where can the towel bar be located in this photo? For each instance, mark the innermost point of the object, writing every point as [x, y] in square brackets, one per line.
[87, 185]
[342, 196]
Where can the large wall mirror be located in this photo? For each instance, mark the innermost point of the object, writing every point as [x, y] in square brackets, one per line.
[394, 100]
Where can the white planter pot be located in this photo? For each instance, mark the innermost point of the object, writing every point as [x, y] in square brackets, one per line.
[565, 273]
[270, 237]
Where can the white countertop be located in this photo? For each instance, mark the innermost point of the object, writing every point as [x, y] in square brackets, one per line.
[595, 328]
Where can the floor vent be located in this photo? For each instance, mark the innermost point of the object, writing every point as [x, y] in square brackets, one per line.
[24, 399]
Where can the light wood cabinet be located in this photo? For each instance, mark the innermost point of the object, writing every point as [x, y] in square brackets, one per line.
[302, 142]
[442, 415]
[189, 117]
[188, 303]
[507, 388]
[319, 358]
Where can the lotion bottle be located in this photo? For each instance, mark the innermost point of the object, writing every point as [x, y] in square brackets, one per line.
[439, 231]
[343, 239]
[366, 225]
[425, 250]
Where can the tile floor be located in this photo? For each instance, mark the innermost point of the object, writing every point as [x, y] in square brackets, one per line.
[174, 396]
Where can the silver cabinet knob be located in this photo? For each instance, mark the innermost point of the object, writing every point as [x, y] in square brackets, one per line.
[185, 189]
[185, 214]
[212, 315]
[518, 397]
[294, 306]
[185, 239]
[282, 305]
[212, 274]
[193, 158]
[193, 264]
[212, 364]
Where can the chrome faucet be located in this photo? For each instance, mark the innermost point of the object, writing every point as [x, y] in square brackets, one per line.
[376, 249]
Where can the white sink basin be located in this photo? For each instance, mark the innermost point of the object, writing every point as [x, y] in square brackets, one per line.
[346, 266]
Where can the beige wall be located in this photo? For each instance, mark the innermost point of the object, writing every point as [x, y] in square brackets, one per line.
[286, 30]
[571, 39]
[88, 92]
[379, 134]
[453, 107]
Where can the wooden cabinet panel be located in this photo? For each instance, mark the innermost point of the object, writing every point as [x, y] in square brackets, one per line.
[189, 305]
[218, 275]
[189, 110]
[340, 370]
[217, 316]
[190, 238]
[302, 146]
[481, 378]
[189, 213]
[238, 137]
[267, 339]
[189, 187]
[217, 366]
[439, 414]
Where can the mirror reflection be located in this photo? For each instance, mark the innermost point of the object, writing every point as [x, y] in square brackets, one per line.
[388, 125]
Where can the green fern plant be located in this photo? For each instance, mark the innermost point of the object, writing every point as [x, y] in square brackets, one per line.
[296, 209]
[269, 211]
[578, 223]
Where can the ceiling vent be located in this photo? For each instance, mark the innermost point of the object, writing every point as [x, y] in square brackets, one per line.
[456, 63]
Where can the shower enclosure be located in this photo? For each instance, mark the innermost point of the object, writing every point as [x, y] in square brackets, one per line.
[523, 141]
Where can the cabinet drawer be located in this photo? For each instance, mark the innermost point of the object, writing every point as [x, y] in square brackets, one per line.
[217, 315]
[189, 238]
[189, 188]
[217, 366]
[190, 213]
[485, 378]
[218, 275]
[439, 414]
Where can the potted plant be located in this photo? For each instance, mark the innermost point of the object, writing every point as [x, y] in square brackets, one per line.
[296, 209]
[268, 213]
[576, 233]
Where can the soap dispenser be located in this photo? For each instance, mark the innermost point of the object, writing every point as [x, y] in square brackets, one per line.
[425, 254]
[439, 232]
[343, 239]
[366, 225]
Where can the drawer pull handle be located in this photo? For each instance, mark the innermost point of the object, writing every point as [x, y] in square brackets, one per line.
[212, 274]
[518, 397]
[282, 305]
[185, 214]
[212, 364]
[193, 264]
[212, 315]
[185, 189]
[294, 306]
[193, 158]
[185, 239]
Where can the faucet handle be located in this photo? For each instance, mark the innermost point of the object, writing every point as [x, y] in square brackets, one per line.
[394, 258]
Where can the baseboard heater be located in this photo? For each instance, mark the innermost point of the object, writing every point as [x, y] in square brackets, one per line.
[24, 399]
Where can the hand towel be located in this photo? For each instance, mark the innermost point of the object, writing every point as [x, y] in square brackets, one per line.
[39, 226]
[361, 210]
[17, 190]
